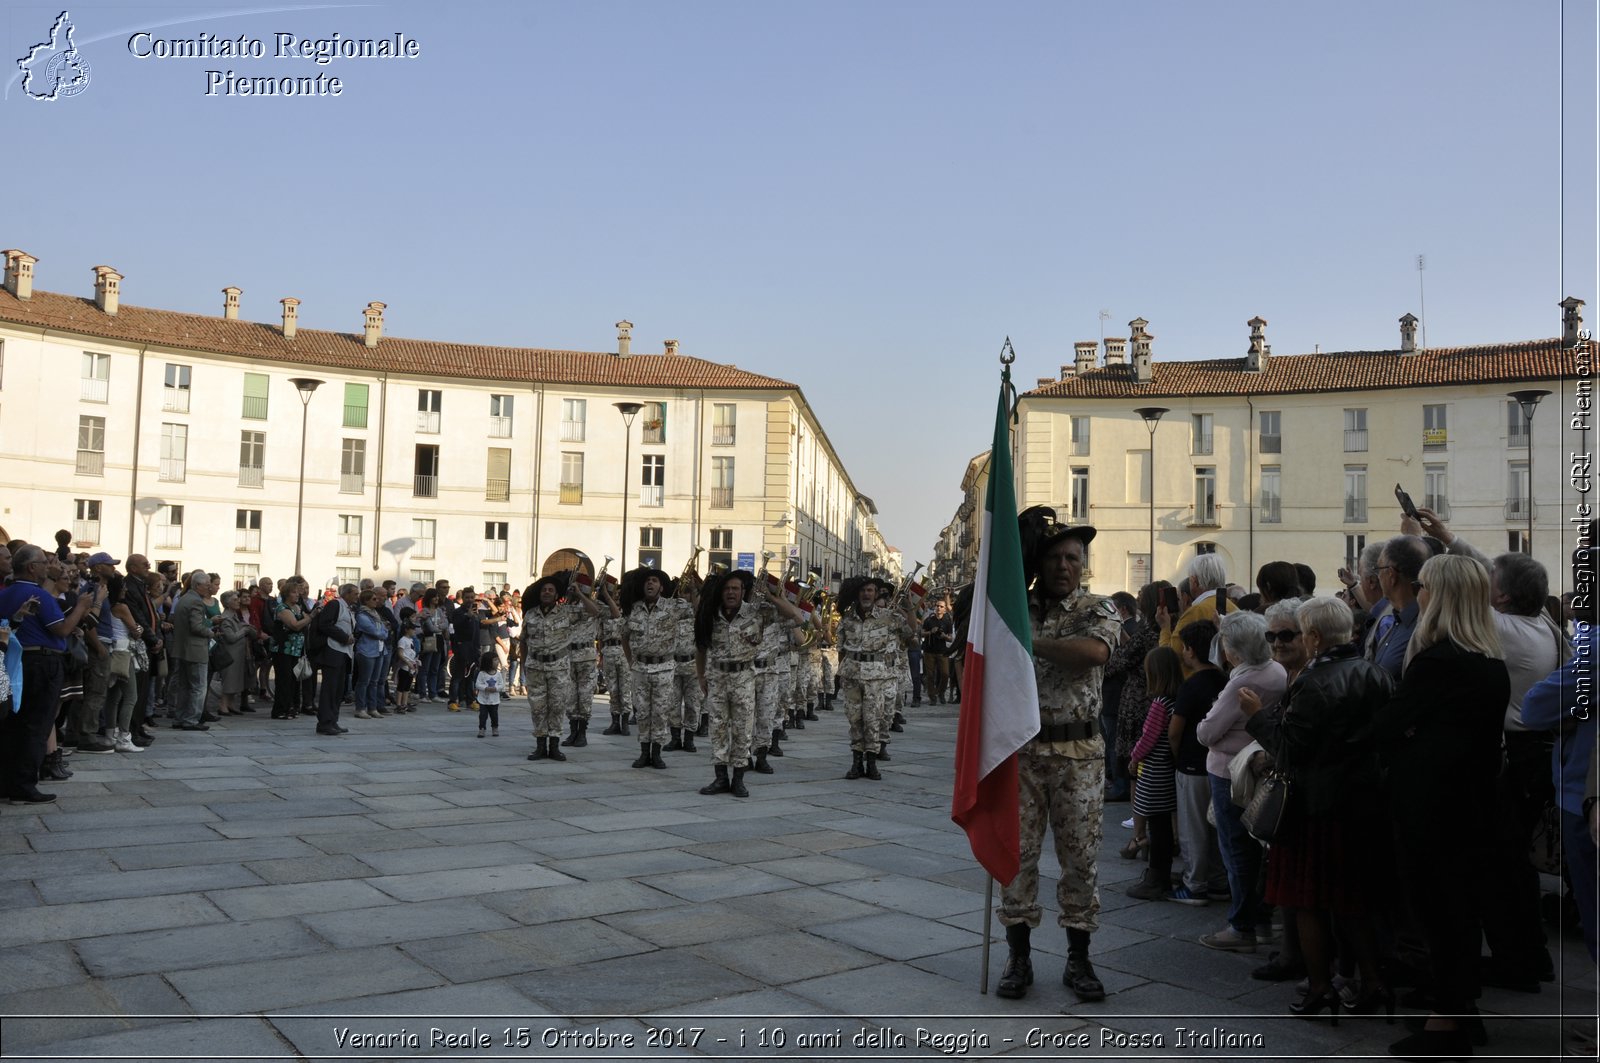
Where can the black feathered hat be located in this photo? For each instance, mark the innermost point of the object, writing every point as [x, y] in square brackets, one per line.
[710, 603]
[1040, 531]
[558, 580]
[633, 586]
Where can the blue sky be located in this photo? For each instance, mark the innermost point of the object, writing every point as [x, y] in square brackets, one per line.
[864, 198]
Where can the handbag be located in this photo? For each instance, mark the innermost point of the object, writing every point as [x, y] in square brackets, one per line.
[430, 644]
[1267, 814]
[139, 653]
[121, 666]
[221, 658]
[302, 669]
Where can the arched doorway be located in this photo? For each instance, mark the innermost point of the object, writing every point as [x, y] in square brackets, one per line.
[565, 560]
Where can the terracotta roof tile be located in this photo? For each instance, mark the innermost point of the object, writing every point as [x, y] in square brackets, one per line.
[342, 350]
[1348, 371]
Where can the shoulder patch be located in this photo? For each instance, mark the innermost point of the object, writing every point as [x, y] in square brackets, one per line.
[1107, 608]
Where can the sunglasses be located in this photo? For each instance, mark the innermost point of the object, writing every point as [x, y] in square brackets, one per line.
[1282, 636]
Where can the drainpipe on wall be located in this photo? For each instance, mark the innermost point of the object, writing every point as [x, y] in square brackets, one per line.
[699, 456]
[138, 418]
[537, 391]
[1250, 486]
[377, 514]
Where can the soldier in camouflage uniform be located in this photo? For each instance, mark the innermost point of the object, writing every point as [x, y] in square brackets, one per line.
[688, 712]
[1061, 770]
[772, 682]
[727, 634]
[866, 635]
[548, 631]
[651, 617]
[613, 662]
[585, 678]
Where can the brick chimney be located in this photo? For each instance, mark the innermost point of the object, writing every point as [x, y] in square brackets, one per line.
[1083, 355]
[1068, 371]
[1408, 334]
[230, 302]
[107, 288]
[1571, 320]
[1140, 340]
[672, 346]
[1045, 381]
[19, 273]
[1255, 359]
[372, 329]
[291, 314]
[624, 338]
[1116, 350]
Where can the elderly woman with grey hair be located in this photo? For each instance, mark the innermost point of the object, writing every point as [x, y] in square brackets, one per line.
[1244, 645]
[233, 631]
[1331, 858]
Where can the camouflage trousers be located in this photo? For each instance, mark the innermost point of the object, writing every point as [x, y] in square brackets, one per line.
[731, 701]
[830, 668]
[584, 680]
[811, 676]
[549, 697]
[771, 686]
[614, 665]
[687, 706]
[1067, 796]
[863, 700]
[653, 697]
[795, 691]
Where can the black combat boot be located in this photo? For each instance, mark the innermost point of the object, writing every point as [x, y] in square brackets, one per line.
[719, 785]
[761, 762]
[616, 725]
[624, 731]
[738, 788]
[580, 733]
[644, 756]
[1079, 975]
[857, 769]
[54, 768]
[797, 720]
[555, 748]
[883, 751]
[872, 768]
[774, 750]
[704, 730]
[655, 756]
[899, 723]
[540, 749]
[811, 711]
[1017, 975]
[688, 741]
[676, 742]
[572, 730]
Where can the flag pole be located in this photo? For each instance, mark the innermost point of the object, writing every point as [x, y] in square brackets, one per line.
[988, 933]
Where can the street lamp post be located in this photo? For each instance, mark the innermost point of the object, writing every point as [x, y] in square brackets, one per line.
[1529, 401]
[1152, 417]
[306, 386]
[629, 411]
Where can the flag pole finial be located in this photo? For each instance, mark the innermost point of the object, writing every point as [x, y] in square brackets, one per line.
[1007, 353]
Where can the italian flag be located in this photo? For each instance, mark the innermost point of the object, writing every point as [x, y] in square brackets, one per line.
[999, 699]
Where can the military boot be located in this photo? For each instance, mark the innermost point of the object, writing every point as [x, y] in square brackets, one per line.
[1079, 975]
[572, 730]
[644, 756]
[688, 741]
[761, 762]
[704, 730]
[872, 768]
[720, 784]
[541, 749]
[1017, 975]
[624, 731]
[555, 748]
[738, 788]
[655, 756]
[797, 720]
[616, 725]
[899, 723]
[676, 742]
[811, 711]
[883, 751]
[857, 769]
[580, 733]
[774, 750]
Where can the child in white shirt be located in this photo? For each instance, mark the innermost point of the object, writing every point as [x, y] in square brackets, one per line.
[489, 683]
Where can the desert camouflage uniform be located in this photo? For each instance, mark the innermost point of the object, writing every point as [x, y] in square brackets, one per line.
[652, 682]
[1061, 785]
[546, 645]
[584, 676]
[731, 684]
[866, 683]
[772, 674]
[686, 706]
[613, 662]
[811, 673]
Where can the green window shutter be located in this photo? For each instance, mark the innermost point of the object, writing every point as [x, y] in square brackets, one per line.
[355, 405]
[255, 396]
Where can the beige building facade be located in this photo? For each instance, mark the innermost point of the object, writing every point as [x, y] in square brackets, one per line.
[179, 435]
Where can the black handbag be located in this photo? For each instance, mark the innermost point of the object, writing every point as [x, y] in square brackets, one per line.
[1267, 814]
[221, 657]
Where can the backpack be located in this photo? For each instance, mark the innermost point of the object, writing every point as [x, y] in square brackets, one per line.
[316, 638]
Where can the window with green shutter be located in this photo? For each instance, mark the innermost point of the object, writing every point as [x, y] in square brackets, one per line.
[355, 405]
[255, 396]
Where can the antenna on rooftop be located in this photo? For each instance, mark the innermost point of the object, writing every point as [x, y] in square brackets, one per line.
[1105, 315]
[1422, 299]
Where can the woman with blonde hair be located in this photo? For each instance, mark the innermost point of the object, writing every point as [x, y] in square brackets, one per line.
[1439, 740]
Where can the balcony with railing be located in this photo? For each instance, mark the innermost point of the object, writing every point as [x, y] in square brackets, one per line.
[722, 435]
[1271, 444]
[722, 498]
[247, 540]
[1439, 504]
[176, 400]
[252, 475]
[1202, 443]
[352, 483]
[653, 432]
[1355, 510]
[1204, 517]
[499, 427]
[1520, 509]
[169, 537]
[91, 463]
[1080, 447]
[496, 490]
[428, 422]
[653, 495]
[494, 549]
[572, 494]
[1435, 438]
[86, 532]
[1518, 437]
[355, 416]
[94, 390]
[349, 545]
[174, 469]
[255, 408]
[425, 486]
[1355, 440]
[572, 431]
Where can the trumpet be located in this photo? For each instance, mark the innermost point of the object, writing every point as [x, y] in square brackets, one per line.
[905, 588]
[690, 577]
[600, 580]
